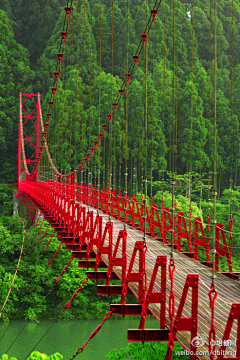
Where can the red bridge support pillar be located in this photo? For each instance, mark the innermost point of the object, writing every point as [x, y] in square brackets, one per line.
[28, 133]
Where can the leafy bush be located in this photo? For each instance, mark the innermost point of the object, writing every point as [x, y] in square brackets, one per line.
[31, 270]
[5, 357]
[36, 355]
[149, 350]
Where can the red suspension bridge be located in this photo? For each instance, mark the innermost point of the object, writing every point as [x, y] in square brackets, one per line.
[170, 262]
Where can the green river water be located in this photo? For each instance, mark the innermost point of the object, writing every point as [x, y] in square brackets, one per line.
[66, 337]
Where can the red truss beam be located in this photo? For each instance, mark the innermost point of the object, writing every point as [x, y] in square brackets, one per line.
[64, 215]
[183, 323]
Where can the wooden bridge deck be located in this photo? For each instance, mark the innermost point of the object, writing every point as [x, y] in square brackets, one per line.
[228, 290]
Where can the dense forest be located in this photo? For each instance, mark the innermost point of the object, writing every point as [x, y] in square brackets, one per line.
[29, 41]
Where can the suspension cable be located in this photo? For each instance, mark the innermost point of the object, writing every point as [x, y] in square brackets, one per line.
[146, 113]
[41, 275]
[70, 153]
[210, 110]
[90, 114]
[15, 274]
[176, 111]
[215, 141]
[191, 124]
[82, 97]
[61, 313]
[140, 46]
[126, 155]
[24, 258]
[164, 87]
[62, 112]
[154, 40]
[173, 124]
[213, 292]
[231, 177]
[66, 116]
[120, 144]
[143, 118]
[104, 155]
[134, 131]
[114, 151]
[99, 109]
[110, 130]
[75, 155]
[171, 264]
[56, 138]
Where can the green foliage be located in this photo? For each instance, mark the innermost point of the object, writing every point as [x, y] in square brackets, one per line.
[5, 357]
[182, 204]
[148, 350]
[30, 39]
[32, 270]
[6, 200]
[15, 76]
[36, 355]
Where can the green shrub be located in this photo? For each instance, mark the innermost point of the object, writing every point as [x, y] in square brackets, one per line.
[36, 355]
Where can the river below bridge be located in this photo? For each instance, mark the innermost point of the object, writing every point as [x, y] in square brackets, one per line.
[66, 337]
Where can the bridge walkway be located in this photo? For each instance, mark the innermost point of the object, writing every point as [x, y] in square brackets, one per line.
[228, 289]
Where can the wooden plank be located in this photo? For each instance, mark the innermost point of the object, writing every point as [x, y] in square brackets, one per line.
[228, 289]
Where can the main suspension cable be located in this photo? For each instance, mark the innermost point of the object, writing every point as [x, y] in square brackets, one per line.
[210, 112]
[76, 122]
[82, 97]
[231, 177]
[120, 143]
[164, 88]
[153, 93]
[173, 124]
[126, 154]
[62, 114]
[99, 109]
[134, 133]
[70, 147]
[215, 141]
[110, 125]
[191, 123]
[66, 115]
[90, 114]
[176, 111]
[146, 114]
